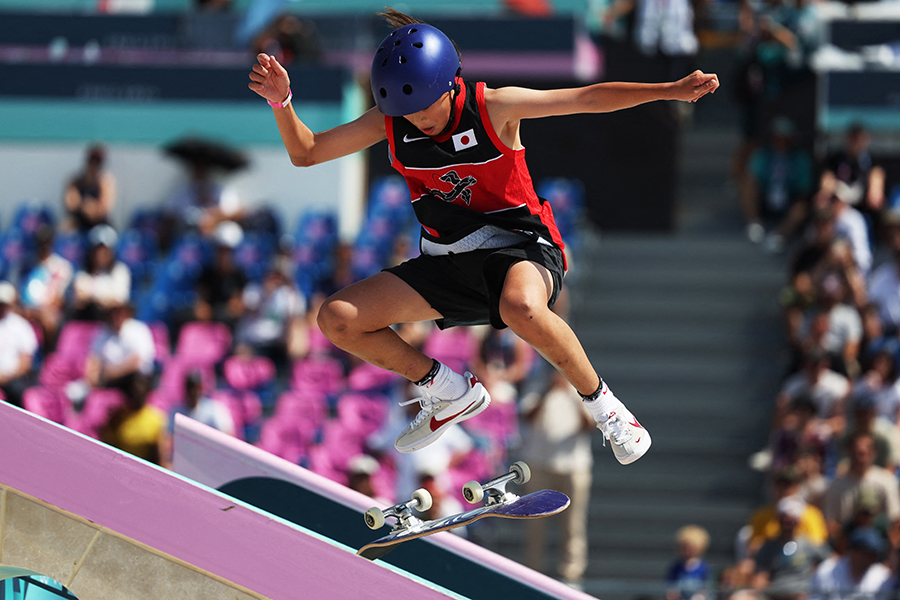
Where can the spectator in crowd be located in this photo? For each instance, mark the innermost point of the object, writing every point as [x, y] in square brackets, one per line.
[827, 389]
[203, 202]
[884, 434]
[221, 284]
[801, 431]
[812, 465]
[785, 564]
[136, 427]
[776, 188]
[859, 572]
[505, 360]
[90, 196]
[200, 407]
[361, 471]
[557, 446]
[841, 497]
[765, 524]
[884, 286]
[45, 286]
[880, 381]
[289, 39]
[271, 310]
[17, 349]
[851, 226]
[689, 577]
[834, 326]
[104, 282]
[854, 176]
[123, 354]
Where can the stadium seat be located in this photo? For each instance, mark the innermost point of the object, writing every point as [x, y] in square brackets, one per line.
[203, 343]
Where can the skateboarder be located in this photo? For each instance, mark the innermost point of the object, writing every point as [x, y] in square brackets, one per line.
[490, 250]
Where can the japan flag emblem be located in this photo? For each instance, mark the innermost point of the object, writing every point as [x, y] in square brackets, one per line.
[465, 139]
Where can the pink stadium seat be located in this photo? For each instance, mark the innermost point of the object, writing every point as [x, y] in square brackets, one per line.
[76, 339]
[363, 414]
[203, 343]
[45, 403]
[308, 406]
[286, 438]
[170, 391]
[98, 407]
[161, 340]
[248, 372]
[320, 373]
[245, 408]
[455, 347]
[366, 377]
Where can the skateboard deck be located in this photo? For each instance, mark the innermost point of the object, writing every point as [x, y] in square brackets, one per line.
[544, 503]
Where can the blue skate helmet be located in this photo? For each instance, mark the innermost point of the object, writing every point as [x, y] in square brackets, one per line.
[413, 67]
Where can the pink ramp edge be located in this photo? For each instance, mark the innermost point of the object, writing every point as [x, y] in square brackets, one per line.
[184, 519]
[214, 459]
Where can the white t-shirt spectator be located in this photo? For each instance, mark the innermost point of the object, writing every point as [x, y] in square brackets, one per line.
[109, 288]
[830, 389]
[134, 338]
[884, 291]
[18, 338]
[833, 580]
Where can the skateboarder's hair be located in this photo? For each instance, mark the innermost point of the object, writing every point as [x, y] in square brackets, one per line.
[397, 19]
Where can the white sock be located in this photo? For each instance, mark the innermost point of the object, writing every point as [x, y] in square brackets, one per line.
[447, 384]
[604, 403]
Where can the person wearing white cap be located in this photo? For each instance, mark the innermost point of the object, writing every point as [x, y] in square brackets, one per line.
[105, 281]
[18, 347]
[785, 564]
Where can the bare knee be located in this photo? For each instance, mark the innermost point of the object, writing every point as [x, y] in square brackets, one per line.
[336, 319]
[522, 312]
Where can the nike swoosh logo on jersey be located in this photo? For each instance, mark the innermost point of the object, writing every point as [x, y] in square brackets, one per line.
[408, 139]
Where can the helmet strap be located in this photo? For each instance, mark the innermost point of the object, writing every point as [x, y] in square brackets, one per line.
[452, 110]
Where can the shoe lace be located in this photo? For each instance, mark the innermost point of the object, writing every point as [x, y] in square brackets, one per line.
[428, 407]
[616, 430]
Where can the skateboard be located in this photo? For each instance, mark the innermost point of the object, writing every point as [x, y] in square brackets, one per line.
[497, 503]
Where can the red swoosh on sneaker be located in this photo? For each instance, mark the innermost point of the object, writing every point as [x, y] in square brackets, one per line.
[438, 423]
[635, 423]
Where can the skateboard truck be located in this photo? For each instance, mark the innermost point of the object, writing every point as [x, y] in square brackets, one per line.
[474, 492]
[421, 501]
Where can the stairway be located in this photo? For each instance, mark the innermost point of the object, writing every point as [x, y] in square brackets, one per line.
[685, 328]
[685, 331]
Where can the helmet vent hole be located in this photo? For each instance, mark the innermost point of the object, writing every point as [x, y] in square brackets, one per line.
[383, 92]
[379, 50]
[402, 60]
[407, 89]
[413, 30]
[384, 63]
[398, 42]
[417, 44]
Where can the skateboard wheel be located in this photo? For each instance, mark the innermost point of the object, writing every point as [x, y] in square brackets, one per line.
[423, 498]
[473, 492]
[522, 472]
[374, 518]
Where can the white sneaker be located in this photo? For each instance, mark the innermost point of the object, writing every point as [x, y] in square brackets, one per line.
[438, 414]
[628, 439]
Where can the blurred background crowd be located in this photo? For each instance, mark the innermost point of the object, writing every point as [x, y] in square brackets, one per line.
[115, 316]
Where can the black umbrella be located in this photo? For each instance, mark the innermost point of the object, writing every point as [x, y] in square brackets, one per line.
[200, 151]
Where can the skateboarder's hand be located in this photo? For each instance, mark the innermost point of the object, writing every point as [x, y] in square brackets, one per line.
[269, 79]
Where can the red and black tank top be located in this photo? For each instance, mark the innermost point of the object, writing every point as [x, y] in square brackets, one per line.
[467, 178]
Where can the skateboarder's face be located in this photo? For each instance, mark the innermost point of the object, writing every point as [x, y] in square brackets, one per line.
[432, 120]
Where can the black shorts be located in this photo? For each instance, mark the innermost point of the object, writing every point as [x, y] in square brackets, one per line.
[465, 288]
